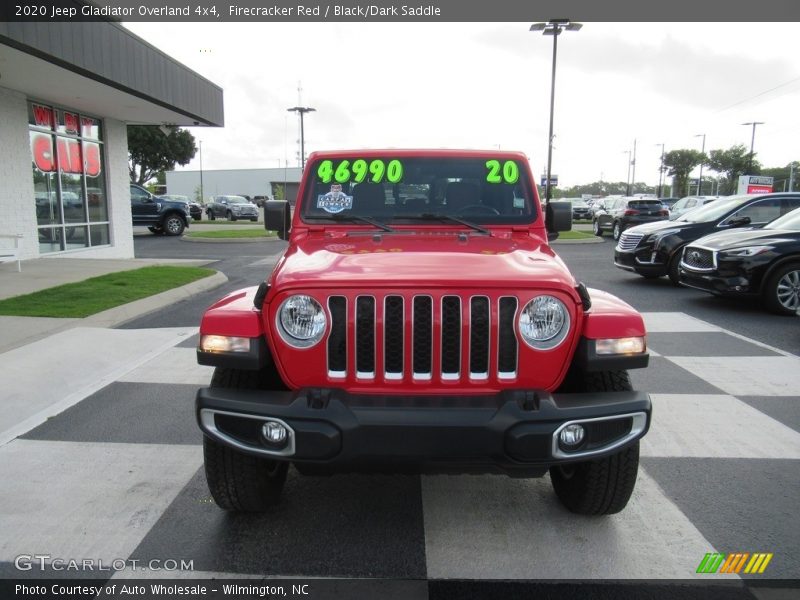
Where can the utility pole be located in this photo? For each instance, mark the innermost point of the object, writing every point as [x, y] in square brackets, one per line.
[628, 179]
[633, 163]
[661, 170]
[302, 110]
[202, 197]
[700, 179]
[752, 142]
[791, 176]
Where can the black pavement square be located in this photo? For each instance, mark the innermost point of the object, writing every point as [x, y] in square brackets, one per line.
[707, 343]
[739, 505]
[785, 409]
[338, 526]
[663, 376]
[135, 413]
[190, 342]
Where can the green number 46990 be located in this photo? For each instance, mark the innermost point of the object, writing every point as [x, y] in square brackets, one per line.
[359, 170]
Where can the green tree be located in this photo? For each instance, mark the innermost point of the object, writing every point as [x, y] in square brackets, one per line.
[678, 164]
[150, 150]
[278, 192]
[730, 164]
[782, 175]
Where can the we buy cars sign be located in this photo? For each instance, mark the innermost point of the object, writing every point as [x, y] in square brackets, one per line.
[755, 184]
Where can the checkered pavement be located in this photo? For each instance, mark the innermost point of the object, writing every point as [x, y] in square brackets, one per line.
[108, 465]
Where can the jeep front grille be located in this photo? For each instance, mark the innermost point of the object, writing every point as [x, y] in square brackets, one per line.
[422, 337]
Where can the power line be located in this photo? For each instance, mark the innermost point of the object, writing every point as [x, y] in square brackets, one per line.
[758, 95]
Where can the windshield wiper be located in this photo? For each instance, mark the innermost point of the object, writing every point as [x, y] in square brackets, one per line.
[443, 217]
[359, 218]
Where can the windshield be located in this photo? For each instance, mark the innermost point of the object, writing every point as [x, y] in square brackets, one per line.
[483, 190]
[176, 197]
[714, 210]
[789, 221]
[236, 200]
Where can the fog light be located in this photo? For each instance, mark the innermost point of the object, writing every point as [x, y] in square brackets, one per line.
[274, 433]
[572, 435]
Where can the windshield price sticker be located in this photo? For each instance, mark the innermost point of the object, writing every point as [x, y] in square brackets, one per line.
[335, 201]
[359, 170]
[507, 172]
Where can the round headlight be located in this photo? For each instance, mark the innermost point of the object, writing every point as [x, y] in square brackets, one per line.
[301, 321]
[544, 322]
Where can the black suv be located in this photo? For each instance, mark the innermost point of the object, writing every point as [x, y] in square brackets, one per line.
[655, 249]
[620, 213]
[158, 214]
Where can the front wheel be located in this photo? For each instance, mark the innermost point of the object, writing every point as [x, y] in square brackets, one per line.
[173, 225]
[617, 231]
[212, 216]
[230, 216]
[782, 290]
[241, 482]
[674, 268]
[596, 229]
[604, 486]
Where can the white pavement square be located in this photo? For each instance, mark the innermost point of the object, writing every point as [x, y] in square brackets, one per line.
[76, 500]
[672, 322]
[746, 375]
[176, 365]
[491, 527]
[715, 426]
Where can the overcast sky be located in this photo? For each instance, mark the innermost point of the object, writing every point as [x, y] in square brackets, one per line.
[476, 85]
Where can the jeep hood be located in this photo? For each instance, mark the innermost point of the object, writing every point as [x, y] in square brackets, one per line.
[442, 260]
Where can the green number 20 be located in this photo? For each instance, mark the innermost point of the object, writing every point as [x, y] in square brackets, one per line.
[510, 172]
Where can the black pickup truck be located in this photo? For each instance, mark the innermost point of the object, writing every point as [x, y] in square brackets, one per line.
[157, 214]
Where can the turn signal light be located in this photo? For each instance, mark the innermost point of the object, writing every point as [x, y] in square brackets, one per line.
[629, 345]
[224, 343]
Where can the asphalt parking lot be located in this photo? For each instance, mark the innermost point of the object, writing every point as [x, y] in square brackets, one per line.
[720, 468]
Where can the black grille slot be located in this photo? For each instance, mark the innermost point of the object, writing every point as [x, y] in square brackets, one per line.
[365, 335]
[479, 335]
[451, 335]
[337, 340]
[507, 348]
[423, 334]
[393, 335]
[601, 433]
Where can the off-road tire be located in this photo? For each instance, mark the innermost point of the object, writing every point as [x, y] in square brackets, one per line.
[596, 229]
[604, 486]
[788, 273]
[673, 269]
[238, 481]
[242, 482]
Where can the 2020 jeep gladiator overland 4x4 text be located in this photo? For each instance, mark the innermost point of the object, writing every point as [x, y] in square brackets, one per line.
[419, 320]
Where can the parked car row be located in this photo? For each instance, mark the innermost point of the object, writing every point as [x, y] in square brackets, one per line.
[745, 245]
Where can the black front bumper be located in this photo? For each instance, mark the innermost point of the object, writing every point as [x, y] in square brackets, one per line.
[515, 432]
[641, 261]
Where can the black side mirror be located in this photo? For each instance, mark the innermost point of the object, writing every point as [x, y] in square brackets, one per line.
[558, 217]
[739, 221]
[277, 217]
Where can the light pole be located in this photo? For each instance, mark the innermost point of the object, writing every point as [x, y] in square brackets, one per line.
[702, 151]
[302, 110]
[661, 170]
[752, 142]
[633, 163]
[628, 178]
[553, 27]
[202, 198]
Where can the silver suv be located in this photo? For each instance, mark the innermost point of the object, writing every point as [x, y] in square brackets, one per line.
[232, 208]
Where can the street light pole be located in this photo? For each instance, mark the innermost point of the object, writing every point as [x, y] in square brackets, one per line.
[700, 179]
[661, 170]
[553, 27]
[752, 142]
[628, 178]
[302, 110]
[633, 163]
[202, 198]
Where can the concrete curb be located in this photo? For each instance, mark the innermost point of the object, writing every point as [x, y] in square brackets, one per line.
[594, 240]
[139, 308]
[20, 331]
[201, 240]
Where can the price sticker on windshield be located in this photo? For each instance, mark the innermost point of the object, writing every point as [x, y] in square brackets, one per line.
[360, 170]
[506, 172]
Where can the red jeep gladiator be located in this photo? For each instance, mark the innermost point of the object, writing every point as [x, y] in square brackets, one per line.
[420, 321]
